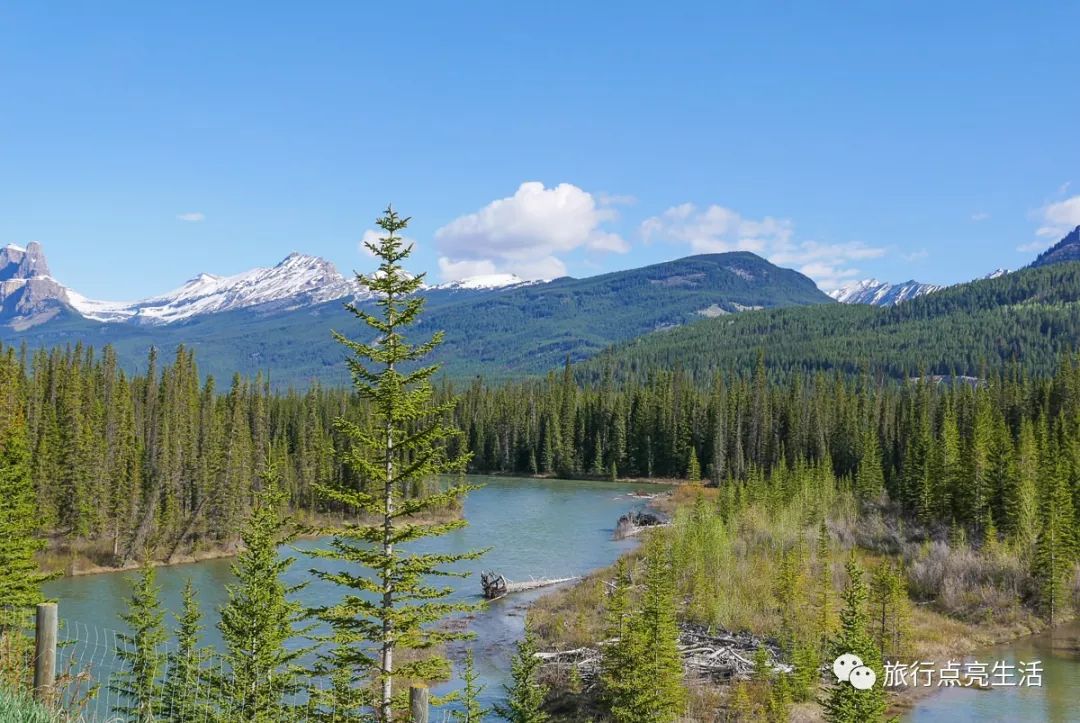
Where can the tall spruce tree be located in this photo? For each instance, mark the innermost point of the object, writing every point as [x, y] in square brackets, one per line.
[390, 600]
[471, 711]
[525, 696]
[870, 478]
[642, 669]
[184, 694]
[618, 670]
[845, 703]
[663, 696]
[141, 651]
[20, 577]
[1054, 556]
[259, 620]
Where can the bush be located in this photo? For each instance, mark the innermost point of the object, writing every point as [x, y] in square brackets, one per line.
[968, 585]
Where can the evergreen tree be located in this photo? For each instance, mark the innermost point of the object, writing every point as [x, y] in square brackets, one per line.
[471, 711]
[870, 478]
[525, 697]
[643, 672]
[845, 703]
[403, 445]
[259, 619]
[890, 608]
[183, 697]
[824, 586]
[1054, 551]
[1022, 500]
[138, 685]
[20, 578]
[618, 676]
[693, 467]
[664, 694]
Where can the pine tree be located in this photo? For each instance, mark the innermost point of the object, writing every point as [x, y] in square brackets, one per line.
[870, 478]
[471, 711]
[403, 446]
[525, 697]
[20, 578]
[890, 608]
[1022, 501]
[259, 619]
[618, 676]
[845, 703]
[1054, 550]
[643, 672]
[138, 685]
[186, 675]
[693, 467]
[665, 693]
[824, 586]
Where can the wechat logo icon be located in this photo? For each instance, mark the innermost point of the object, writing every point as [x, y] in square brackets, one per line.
[849, 668]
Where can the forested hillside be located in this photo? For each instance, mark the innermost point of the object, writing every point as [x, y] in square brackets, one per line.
[1029, 316]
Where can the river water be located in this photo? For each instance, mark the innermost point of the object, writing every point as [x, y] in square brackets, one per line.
[541, 528]
[1057, 700]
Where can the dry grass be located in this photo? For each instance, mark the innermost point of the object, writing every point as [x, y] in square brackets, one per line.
[968, 585]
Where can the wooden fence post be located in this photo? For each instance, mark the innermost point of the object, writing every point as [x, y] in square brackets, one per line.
[45, 652]
[418, 704]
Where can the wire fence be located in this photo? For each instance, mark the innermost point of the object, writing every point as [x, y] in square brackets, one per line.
[93, 682]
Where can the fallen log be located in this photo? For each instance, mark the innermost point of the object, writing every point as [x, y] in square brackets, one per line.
[496, 586]
[720, 656]
[633, 523]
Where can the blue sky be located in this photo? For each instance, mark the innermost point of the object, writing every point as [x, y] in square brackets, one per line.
[928, 140]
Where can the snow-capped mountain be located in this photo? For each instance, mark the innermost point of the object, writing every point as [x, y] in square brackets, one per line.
[28, 294]
[299, 280]
[881, 293]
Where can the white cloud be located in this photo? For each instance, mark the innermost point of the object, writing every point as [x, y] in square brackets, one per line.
[1058, 219]
[916, 255]
[717, 229]
[192, 216]
[527, 233]
[979, 216]
[454, 270]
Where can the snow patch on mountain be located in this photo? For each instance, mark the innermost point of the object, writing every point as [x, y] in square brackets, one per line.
[299, 280]
[881, 293]
[486, 281]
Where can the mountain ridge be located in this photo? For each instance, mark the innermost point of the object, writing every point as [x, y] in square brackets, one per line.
[519, 329]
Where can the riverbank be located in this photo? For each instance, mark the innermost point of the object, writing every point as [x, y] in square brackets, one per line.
[963, 615]
[95, 557]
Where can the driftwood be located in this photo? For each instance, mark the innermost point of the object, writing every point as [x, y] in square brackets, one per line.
[496, 586]
[632, 523]
[718, 656]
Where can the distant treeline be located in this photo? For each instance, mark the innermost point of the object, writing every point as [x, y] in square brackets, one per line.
[964, 451]
[163, 459]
